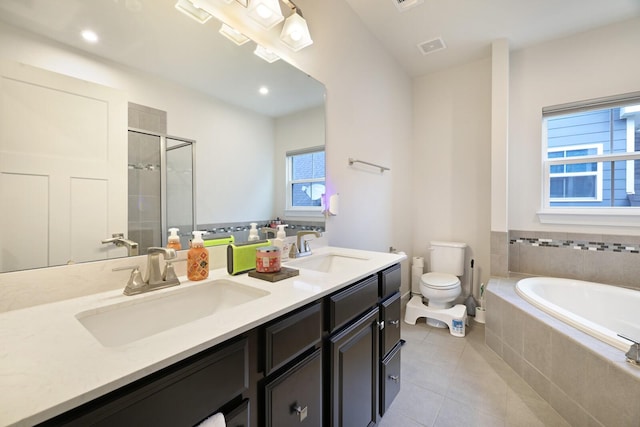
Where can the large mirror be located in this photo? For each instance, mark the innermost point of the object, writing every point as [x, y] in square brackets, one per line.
[204, 87]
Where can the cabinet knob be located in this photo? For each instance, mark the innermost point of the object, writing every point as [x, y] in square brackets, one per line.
[395, 323]
[394, 378]
[302, 412]
[381, 325]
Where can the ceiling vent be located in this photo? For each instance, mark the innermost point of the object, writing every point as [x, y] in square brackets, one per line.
[431, 46]
[403, 5]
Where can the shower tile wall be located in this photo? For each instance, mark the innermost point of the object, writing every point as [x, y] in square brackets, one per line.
[144, 176]
[610, 259]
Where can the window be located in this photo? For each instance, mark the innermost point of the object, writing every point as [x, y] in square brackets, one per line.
[305, 180]
[592, 154]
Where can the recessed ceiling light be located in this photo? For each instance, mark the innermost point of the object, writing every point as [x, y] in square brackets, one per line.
[263, 90]
[90, 36]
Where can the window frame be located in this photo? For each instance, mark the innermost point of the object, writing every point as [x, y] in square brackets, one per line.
[306, 211]
[609, 216]
[549, 162]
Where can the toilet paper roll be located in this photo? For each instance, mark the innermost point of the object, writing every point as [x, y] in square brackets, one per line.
[416, 272]
[418, 261]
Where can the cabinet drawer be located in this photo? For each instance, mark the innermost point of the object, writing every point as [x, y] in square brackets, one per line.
[291, 336]
[390, 375]
[294, 398]
[390, 279]
[351, 302]
[183, 394]
[390, 313]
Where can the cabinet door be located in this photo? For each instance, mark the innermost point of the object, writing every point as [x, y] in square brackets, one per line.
[390, 314]
[389, 378]
[354, 373]
[294, 398]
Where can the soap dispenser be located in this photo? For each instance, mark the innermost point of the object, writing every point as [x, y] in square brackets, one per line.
[281, 242]
[174, 239]
[197, 258]
[253, 232]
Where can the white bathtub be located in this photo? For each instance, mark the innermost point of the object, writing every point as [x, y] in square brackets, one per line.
[601, 311]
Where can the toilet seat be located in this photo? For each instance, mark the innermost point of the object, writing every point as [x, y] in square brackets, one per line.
[440, 281]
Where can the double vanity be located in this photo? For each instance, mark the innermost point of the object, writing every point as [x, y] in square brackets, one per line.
[320, 348]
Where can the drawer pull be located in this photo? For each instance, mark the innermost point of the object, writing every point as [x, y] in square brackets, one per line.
[394, 378]
[302, 412]
[395, 323]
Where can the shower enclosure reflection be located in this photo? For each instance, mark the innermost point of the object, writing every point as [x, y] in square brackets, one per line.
[160, 175]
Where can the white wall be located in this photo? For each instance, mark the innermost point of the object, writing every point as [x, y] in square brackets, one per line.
[598, 63]
[452, 162]
[224, 134]
[369, 117]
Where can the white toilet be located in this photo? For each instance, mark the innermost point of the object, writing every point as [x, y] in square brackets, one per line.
[441, 287]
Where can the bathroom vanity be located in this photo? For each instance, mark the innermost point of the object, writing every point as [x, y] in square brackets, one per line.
[321, 348]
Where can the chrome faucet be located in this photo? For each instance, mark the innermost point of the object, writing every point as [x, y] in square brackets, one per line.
[119, 240]
[267, 230]
[302, 248]
[153, 279]
[633, 355]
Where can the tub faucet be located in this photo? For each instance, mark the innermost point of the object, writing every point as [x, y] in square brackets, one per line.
[633, 355]
[302, 248]
[119, 240]
[153, 279]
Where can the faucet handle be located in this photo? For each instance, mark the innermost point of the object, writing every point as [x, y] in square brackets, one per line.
[293, 250]
[135, 279]
[169, 274]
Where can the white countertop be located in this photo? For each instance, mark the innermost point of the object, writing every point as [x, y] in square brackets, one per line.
[49, 363]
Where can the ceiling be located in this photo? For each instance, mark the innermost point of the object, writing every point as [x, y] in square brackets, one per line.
[151, 35]
[468, 27]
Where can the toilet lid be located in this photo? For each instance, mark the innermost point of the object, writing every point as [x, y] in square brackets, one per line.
[440, 280]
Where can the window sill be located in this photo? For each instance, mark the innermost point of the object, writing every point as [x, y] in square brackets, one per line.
[303, 214]
[610, 217]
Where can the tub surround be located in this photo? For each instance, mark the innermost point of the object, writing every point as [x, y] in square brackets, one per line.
[51, 364]
[587, 381]
[602, 258]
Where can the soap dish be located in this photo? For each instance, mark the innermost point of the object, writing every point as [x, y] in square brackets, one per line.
[284, 273]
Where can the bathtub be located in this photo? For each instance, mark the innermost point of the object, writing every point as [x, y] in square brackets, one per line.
[601, 311]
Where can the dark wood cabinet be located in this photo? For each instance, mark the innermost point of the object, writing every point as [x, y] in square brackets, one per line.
[354, 373]
[182, 394]
[294, 398]
[334, 362]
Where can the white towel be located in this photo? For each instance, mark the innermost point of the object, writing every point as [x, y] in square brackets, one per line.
[216, 420]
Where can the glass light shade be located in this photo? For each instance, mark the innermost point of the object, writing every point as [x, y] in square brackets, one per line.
[295, 33]
[188, 8]
[234, 35]
[266, 54]
[267, 13]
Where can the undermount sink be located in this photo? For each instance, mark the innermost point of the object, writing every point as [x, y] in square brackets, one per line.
[129, 321]
[329, 263]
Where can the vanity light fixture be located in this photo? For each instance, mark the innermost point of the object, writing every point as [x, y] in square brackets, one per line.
[192, 11]
[266, 54]
[266, 13]
[234, 35]
[295, 32]
[89, 36]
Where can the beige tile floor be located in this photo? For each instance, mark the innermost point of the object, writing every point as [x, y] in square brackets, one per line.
[460, 382]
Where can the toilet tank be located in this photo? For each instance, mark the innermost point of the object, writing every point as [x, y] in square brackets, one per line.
[447, 257]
